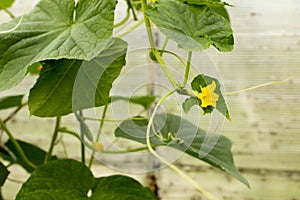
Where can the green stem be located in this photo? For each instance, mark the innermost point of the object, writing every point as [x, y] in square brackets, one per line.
[172, 53]
[20, 19]
[187, 92]
[166, 162]
[9, 13]
[64, 130]
[124, 20]
[187, 68]
[53, 140]
[113, 120]
[79, 118]
[98, 134]
[64, 145]
[259, 86]
[17, 146]
[102, 122]
[131, 28]
[129, 150]
[153, 47]
[131, 7]
[76, 135]
[164, 46]
[14, 113]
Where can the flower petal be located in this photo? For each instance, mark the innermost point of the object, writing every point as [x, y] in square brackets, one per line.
[212, 86]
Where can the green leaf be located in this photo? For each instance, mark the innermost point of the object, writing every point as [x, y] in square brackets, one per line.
[3, 174]
[202, 81]
[145, 101]
[6, 3]
[215, 5]
[121, 188]
[188, 138]
[221, 11]
[71, 180]
[59, 180]
[189, 103]
[11, 101]
[51, 31]
[33, 153]
[66, 86]
[193, 27]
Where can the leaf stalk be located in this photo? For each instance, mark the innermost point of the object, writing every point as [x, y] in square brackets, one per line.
[187, 68]
[17, 146]
[53, 140]
[153, 46]
[98, 134]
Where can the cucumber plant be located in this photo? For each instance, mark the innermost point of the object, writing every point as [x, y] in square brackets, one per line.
[70, 46]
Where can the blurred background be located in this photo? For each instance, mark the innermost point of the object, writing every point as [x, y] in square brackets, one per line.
[265, 127]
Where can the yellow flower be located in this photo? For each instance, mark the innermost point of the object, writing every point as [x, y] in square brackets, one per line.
[207, 96]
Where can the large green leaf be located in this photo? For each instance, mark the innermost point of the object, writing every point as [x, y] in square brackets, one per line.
[213, 149]
[3, 174]
[10, 101]
[6, 3]
[118, 187]
[216, 5]
[55, 29]
[61, 179]
[71, 180]
[193, 27]
[35, 154]
[65, 86]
